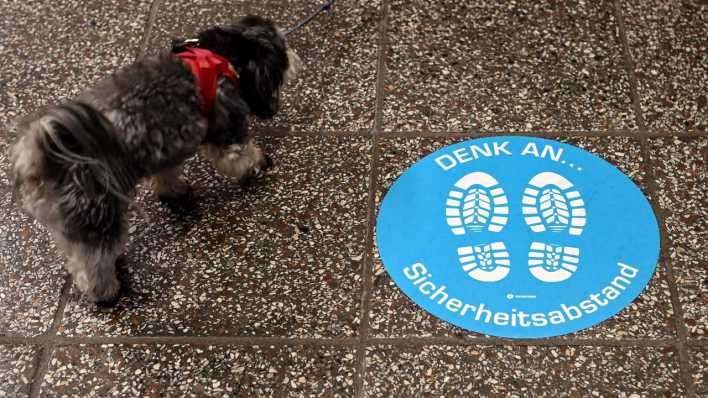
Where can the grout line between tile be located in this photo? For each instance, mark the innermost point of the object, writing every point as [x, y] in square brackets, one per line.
[635, 134]
[45, 354]
[495, 341]
[381, 67]
[366, 272]
[629, 67]
[367, 265]
[41, 366]
[697, 342]
[147, 32]
[354, 341]
[213, 340]
[679, 323]
[284, 132]
[50, 336]
[653, 189]
[63, 299]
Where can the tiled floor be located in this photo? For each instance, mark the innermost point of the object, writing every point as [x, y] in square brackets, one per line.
[502, 66]
[276, 288]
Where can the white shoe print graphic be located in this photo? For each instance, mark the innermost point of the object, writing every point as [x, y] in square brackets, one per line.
[553, 263]
[476, 203]
[551, 203]
[486, 262]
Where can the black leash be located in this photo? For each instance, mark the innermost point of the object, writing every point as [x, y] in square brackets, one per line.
[324, 7]
[178, 44]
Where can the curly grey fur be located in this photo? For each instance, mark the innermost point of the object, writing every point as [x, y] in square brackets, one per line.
[76, 165]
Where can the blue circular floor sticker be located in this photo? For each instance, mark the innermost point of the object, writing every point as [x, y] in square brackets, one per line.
[518, 237]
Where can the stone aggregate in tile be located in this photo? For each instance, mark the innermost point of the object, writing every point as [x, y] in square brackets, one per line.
[16, 368]
[198, 371]
[519, 371]
[4, 163]
[278, 257]
[283, 256]
[64, 46]
[31, 273]
[698, 359]
[336, 89]
[682, 181]
[393, 314]
[494, 65]
[668, 43]
[51, 51]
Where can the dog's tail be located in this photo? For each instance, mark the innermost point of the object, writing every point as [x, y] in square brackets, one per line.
[78, 143]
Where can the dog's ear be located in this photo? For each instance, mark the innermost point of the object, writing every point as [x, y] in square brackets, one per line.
[262, 74]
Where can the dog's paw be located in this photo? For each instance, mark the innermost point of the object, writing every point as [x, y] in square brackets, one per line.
[108, 303]
[262, 166]
[259, 170]
[175, 189]
[105, 294]
[187, 204]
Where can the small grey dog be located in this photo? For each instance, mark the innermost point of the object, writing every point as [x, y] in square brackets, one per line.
[76, 165]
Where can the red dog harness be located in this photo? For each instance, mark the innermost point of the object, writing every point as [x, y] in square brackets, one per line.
[207, 67]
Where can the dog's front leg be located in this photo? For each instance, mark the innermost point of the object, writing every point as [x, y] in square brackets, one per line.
[170, 184]
[237, 161]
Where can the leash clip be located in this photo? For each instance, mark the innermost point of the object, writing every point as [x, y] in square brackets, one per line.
[178, 44]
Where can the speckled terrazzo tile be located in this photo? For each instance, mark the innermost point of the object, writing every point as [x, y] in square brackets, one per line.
[177, 18]
[668, 43]
[698, 360]
[682, 180]
[31, 273]
[336, 90]
[522, 371]
[16, 368]
[54, 49]
[394, 315]
[280, 257]
[505, 66]
[198, 371]
[4, 163]
[88, 41]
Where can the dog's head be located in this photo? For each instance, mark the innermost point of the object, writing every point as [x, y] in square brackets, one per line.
[260, 54]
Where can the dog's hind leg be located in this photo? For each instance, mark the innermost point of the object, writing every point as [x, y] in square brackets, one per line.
[237, 161]
[170, 184]
[93, 268]
[74, 176]
[92, 232]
